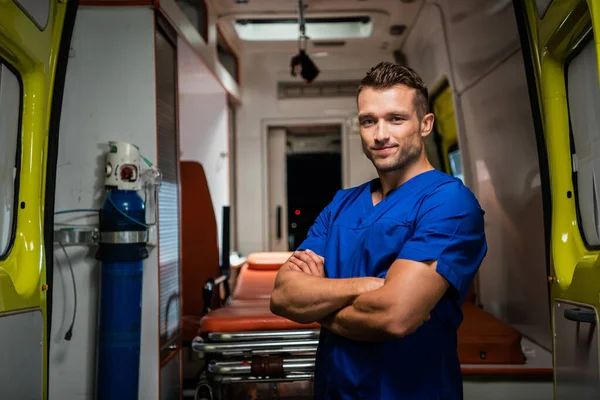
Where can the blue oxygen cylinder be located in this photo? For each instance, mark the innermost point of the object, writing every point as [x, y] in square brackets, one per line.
[120, 303]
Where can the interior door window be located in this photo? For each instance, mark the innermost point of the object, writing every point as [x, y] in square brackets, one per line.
[10, 112]
[455, 160]
[584, 112]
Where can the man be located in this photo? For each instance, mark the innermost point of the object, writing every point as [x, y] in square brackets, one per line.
[387, 265]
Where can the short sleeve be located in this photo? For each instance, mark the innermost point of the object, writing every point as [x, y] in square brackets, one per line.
[449, 228]
[316, 240]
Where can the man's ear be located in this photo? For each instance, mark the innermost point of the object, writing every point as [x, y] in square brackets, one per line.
[427, 124]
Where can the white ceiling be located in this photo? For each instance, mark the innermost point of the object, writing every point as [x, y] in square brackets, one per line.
[385, 13]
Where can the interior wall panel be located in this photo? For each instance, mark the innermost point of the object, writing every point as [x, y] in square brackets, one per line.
[481, 35]
[21, 335]
[203, 130]
[512, 278]
[426, 49]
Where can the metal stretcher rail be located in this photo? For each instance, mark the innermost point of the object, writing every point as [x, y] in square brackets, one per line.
[245, 367]
[250, 379]
[304, 351]
[264, 335]
[250, 346]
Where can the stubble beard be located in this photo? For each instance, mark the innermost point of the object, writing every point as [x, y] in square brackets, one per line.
[409, 152]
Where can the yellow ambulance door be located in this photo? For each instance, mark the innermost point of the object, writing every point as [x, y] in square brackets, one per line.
[34, 39]
[561, 41]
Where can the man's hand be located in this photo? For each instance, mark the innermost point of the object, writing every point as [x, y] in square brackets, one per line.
[307, 262]
[303, 294]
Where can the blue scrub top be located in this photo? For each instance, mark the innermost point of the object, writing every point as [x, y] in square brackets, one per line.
[433, 216]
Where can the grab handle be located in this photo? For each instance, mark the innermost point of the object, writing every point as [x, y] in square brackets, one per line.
[580, 315]
[279, 234]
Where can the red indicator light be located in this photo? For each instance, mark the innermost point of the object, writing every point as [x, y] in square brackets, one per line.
[297, 212]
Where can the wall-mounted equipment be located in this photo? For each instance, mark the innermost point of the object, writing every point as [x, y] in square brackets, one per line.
[124, 232]
[122, 251]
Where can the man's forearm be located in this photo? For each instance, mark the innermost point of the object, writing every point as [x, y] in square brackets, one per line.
[364, 320]
[306, 298]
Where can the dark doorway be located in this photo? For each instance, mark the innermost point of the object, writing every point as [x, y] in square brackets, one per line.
[313, 178]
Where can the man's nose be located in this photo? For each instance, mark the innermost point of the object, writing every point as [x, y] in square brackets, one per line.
[381, 132]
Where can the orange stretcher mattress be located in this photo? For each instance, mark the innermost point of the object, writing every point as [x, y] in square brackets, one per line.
[246, 317]
[482, 338]
[250, 306]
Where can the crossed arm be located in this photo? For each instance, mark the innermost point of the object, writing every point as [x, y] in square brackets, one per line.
[363, 309]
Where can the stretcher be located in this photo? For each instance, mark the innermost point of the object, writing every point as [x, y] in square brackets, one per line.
[244, 342]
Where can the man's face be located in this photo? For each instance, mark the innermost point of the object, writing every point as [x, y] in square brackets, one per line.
[390, 129]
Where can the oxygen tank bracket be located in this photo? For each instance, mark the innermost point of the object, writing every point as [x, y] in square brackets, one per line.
[124, 237]
[93, 237]
[76, 236]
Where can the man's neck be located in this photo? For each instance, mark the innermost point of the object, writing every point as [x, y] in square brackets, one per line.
[394, 179]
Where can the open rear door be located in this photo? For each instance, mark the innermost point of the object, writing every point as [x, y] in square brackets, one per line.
[34, 45]
[560, 40]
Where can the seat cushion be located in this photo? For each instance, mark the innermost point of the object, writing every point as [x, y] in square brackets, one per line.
[244, 317]
[484, 339]
[252, 284]
[267, 260]
[256, 278]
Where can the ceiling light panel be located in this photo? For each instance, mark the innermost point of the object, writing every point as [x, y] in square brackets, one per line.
[285, 29]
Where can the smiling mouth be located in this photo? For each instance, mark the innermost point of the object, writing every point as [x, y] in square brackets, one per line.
[384, 149]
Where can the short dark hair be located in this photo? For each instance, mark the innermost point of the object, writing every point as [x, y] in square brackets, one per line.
[386, 75]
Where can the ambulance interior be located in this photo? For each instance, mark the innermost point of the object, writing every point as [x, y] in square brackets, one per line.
[248, 110]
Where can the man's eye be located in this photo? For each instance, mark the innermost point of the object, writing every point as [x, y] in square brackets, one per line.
[366, 122]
